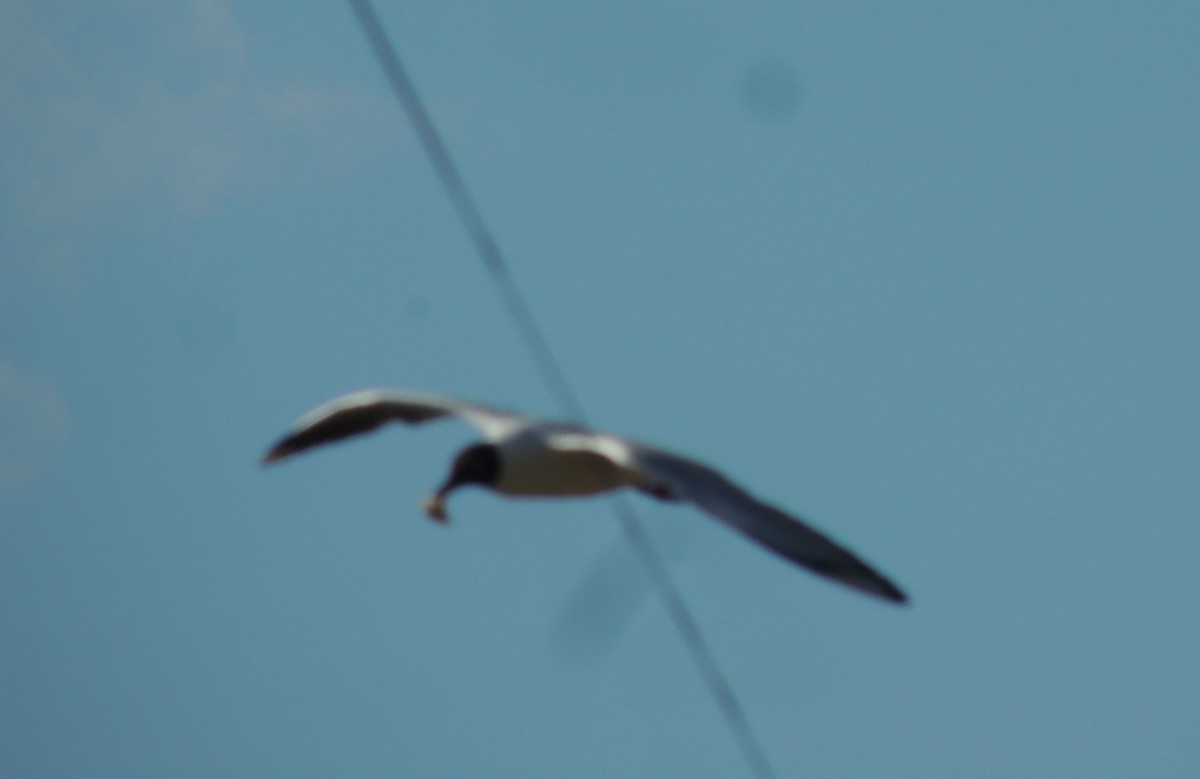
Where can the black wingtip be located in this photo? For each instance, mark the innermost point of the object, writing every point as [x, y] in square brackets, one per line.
[885, 590]
[278, 452]
[859, 576]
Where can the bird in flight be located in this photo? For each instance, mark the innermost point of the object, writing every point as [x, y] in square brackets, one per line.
[523, 456]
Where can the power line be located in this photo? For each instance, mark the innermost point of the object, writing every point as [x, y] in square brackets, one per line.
[493, 259]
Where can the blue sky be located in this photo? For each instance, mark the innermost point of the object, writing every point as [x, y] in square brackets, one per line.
[925, 274]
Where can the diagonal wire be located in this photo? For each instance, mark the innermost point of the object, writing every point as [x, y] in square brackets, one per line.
[489, 250]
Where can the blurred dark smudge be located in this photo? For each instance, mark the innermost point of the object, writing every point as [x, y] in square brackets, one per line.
[770, 91]
[604, 603]
[417, 307]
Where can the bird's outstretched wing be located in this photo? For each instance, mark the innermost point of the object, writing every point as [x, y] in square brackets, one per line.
[670, 476]
[361, 412]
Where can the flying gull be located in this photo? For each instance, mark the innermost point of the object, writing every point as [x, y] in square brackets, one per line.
[522, 456]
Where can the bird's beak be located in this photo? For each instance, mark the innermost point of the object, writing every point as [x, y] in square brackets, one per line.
[435, 507]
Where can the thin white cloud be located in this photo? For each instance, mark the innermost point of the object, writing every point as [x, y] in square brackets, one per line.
[168, 119]
[33, 427]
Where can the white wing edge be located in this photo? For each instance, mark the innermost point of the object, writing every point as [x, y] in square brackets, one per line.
[360, 412]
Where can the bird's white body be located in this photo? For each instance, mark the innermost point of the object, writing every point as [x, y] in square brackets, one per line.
[531, 468]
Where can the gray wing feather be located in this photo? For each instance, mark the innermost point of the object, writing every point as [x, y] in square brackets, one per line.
[787, 536]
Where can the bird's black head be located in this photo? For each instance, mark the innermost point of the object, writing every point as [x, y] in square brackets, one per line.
[477, 464]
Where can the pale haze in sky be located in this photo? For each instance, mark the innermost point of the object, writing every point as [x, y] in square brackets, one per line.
[925, 274]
